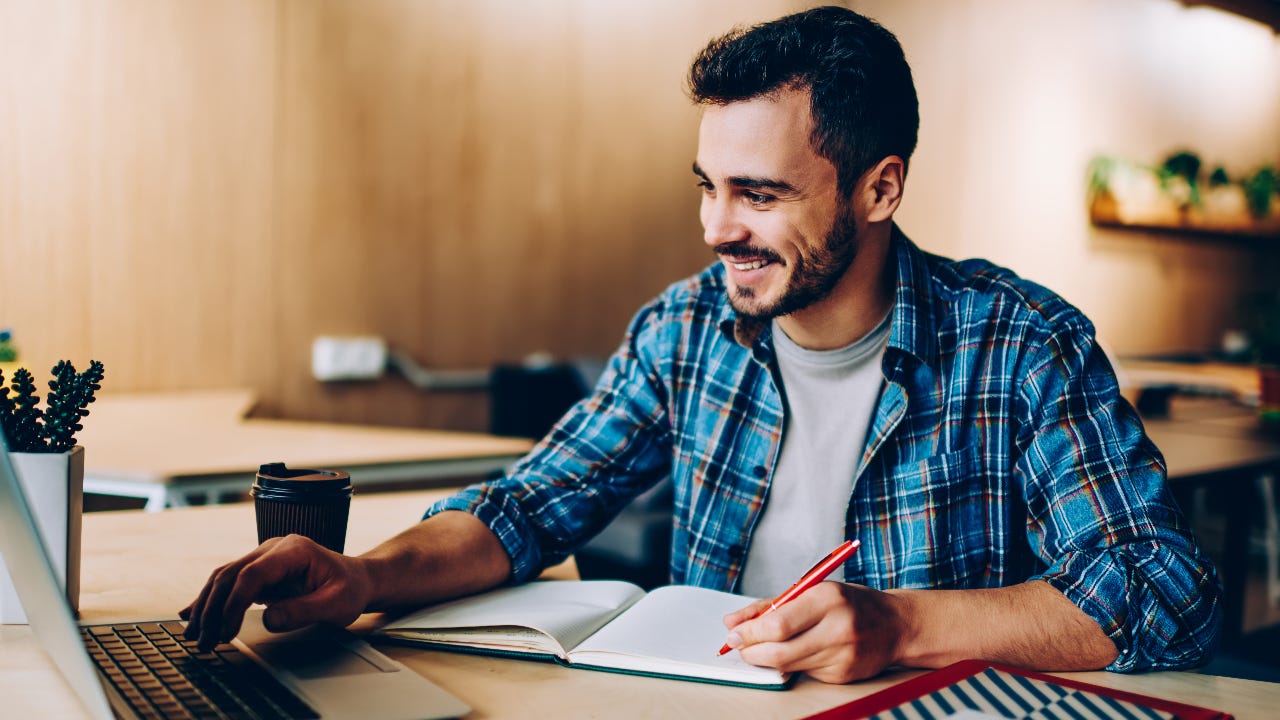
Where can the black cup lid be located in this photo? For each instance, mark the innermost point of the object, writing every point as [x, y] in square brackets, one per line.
[276, 476]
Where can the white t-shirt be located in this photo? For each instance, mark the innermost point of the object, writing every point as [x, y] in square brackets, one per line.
[830, 396]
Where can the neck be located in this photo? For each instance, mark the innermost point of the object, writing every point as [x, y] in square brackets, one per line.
[857, 303]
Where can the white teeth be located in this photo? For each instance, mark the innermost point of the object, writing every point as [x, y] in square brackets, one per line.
[753, 265]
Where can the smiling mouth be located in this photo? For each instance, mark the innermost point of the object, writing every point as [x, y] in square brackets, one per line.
[743, 258]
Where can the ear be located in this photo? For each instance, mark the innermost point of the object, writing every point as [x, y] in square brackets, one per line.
[880, 189]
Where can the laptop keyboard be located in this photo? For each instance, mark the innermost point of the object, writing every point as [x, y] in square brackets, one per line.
[163, 675]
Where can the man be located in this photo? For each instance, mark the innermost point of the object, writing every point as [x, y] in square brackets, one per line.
[825, 380]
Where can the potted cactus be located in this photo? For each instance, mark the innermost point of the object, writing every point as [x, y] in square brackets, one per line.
[49, 465]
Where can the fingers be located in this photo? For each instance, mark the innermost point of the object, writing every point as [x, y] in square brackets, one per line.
[218, 611]
[260, 579]
[778, 626]
[835, 633]
[738, 617]
[195, 612]
[803, 651]
[326, 603]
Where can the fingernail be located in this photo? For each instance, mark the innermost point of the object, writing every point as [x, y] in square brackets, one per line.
[734, 640]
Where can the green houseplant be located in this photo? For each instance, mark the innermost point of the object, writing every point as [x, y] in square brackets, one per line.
[1178, 194]
[49, 466]
[27, 427]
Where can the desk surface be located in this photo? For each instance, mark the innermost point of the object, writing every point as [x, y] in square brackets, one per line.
[1211, 448]
[1240, 380]
[147, 565]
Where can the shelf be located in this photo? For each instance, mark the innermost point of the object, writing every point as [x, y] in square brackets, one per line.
[1103, 214]
[1262, 234]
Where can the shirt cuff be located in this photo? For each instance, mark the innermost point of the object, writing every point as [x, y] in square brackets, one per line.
[1085, 581]
[502, 515]
[1158, 617]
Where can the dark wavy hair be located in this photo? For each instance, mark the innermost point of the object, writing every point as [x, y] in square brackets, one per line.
[863, 100]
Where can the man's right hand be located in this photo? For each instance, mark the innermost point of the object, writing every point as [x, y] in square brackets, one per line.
[300, 581]
[443, 557]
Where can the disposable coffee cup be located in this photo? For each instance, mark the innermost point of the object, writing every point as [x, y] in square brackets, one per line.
[313, 503]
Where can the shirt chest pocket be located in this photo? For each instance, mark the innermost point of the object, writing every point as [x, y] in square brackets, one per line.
[939, 517]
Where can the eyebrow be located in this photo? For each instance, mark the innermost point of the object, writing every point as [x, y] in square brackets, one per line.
[751, 183]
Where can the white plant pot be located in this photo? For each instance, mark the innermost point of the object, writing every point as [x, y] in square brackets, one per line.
[53, 484]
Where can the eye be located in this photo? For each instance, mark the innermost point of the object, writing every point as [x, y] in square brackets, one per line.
[756, 199]
[706, 187]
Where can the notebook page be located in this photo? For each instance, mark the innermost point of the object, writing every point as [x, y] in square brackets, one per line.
[566, 611]
[674, 630]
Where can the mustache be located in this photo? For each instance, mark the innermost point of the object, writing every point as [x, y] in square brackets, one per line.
[739, 250]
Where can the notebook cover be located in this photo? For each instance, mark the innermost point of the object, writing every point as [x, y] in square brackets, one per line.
[916, 687]
[677, 676]
[550, 657]
[465, 649]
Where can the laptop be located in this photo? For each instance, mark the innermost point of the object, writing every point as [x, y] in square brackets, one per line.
[317, 672]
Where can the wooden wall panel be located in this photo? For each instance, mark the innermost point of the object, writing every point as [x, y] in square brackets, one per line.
[481, 181]
[135, 195]
[43, 160]
[192, 191]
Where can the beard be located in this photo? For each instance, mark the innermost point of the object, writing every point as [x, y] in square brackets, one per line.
[813, 273]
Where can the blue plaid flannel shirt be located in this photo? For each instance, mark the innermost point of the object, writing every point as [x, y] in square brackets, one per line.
[1000, 452]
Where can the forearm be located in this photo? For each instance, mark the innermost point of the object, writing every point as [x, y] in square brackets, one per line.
[447, 555]
[1030, 625]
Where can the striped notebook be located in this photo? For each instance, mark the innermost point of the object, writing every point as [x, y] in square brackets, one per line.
[992, 693]
[973, 690]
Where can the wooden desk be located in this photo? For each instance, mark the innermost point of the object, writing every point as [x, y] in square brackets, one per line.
[138, 565]
[173, 448]
[1239, 380]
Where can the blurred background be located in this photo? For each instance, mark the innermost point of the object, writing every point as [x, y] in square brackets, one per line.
[193, 192]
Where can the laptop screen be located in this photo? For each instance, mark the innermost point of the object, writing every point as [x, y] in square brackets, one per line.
[43, 600]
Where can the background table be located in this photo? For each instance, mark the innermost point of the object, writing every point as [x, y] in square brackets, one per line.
[176, 448]
[1220, 446]
[140, 565]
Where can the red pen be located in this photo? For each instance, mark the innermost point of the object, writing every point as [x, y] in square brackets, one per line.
[816, 574]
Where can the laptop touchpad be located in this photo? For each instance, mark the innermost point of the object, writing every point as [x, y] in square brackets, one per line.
[311, 653]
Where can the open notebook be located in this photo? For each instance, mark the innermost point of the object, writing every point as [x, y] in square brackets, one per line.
[671, 632]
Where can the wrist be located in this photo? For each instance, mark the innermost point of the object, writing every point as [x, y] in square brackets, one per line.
[905, 613]
[368, 574]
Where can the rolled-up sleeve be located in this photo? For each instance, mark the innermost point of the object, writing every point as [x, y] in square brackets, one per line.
[1101, 515]
[607, 449]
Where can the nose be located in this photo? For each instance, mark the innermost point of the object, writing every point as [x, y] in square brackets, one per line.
[720, 221]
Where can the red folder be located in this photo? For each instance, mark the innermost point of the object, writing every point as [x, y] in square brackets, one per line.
[945, 677]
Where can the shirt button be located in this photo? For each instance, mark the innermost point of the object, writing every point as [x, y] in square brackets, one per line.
[735, 552]
[760, 471]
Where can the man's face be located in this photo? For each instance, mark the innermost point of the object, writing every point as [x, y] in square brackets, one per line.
[770, 207]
